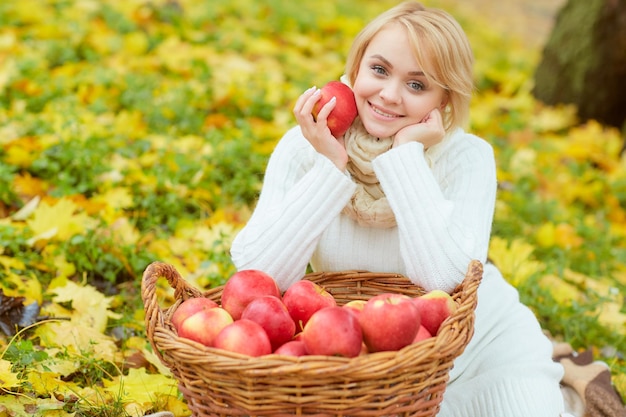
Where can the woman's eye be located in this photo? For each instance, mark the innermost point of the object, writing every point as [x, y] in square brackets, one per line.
[416, 85]
[379, 69]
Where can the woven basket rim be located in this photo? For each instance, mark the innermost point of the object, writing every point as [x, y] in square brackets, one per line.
[184, 290]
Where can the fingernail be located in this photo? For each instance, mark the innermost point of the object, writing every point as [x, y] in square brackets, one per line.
[311, 89]
[333, 99]
[317, 91]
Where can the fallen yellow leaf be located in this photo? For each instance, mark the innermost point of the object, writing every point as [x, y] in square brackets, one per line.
[514, 259]
[8, 379]
[78, 338]
[91, 307]
[59, 220]
[562, 291]
[142, 388]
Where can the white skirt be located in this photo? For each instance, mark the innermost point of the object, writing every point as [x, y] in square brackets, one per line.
[507, 368]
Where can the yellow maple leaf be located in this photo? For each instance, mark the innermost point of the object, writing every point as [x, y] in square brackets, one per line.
[9, 262]
[562, 291]
[90, 307]
[169, 403]
[44, 382]
[63, 267]
[15, 285]
[23, 151]
[14, 405]
[141, 387]
[57, 363]
[609, 311]
[117, 198]
[8, 379]
[78, 339]
[24, 406]
[594, 142]
[514, 259]
[124, 232]
[611, 316]
[60, 221]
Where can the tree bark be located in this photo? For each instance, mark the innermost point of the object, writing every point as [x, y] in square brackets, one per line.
[584, 61]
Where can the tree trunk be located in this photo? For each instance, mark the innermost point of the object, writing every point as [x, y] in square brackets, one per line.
[584, 61]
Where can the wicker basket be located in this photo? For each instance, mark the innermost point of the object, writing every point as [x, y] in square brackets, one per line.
[408, 382]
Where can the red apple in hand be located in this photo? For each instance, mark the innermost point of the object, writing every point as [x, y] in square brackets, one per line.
[333, 331]
[344, 112]
[292, 348]
[270, 312]
[434, 307]
[389, 322]
[244, 286]
[204, 325]
[303, 298]
[245, 337]
[189, 307]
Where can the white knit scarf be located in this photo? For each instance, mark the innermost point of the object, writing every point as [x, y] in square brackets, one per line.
[368, 205]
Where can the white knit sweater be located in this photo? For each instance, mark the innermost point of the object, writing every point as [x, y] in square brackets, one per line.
[443, 199]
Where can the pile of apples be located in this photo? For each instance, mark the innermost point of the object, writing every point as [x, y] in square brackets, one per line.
[253, 318]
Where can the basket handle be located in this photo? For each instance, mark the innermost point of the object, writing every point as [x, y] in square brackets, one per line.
[153, 313]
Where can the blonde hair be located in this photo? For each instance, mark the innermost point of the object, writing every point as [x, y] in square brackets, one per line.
[440, 46]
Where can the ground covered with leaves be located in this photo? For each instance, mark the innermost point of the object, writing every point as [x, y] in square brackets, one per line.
[138, 131]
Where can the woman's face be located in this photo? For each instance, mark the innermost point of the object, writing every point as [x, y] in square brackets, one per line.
[391, 90]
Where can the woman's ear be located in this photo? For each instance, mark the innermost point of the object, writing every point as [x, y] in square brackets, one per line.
[444, 103]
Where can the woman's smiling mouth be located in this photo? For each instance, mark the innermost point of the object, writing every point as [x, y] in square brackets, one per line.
[383, 112]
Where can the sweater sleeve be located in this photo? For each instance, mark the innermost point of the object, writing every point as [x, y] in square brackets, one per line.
[302, 193]
[444, 212]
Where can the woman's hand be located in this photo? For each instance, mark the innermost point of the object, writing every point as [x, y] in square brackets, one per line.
[429, 131]
[316, 131]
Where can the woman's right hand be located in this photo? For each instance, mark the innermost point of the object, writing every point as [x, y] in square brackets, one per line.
[316, 130]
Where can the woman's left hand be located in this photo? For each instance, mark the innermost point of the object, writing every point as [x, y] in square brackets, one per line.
[429, 131]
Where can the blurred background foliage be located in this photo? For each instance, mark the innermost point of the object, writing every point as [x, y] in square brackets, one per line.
[134, 131]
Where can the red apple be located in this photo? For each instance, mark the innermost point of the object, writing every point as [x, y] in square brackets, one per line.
[244, 286]
[355, 306]
[244, 336]
[435, 306]
[303, 298]
[333, 331]
[189, 307]
[344, 112]
[422, 334]
[389, 322]
[204, 325]
[292, 348]
[270, 312]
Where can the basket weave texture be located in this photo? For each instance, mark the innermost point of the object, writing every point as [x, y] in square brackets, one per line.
[407, 382]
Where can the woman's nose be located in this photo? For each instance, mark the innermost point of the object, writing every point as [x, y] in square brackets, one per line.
[390, 92]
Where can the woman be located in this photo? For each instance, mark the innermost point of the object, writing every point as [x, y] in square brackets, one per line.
[405, 190]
